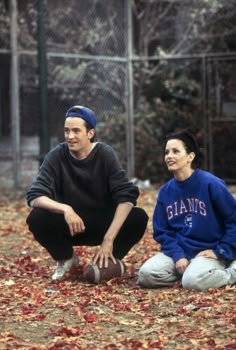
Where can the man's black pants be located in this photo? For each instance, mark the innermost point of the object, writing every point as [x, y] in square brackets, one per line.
[52, 231]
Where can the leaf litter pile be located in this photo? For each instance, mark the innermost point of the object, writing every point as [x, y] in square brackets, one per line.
[37, 314]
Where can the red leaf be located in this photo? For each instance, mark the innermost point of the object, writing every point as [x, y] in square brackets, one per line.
[26, 310]
[39, 317]
[90, 317]
[66, 331]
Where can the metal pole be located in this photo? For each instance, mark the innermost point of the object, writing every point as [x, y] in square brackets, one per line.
[210, 131]
[130, 97]
[42, 62]
[204, 107]
[14, 98]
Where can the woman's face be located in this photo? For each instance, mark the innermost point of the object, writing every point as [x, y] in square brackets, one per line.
[176, 157]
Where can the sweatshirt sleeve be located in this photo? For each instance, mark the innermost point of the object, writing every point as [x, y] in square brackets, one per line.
[163, 233]
[122, 190]
[225, 205]
[45, 183]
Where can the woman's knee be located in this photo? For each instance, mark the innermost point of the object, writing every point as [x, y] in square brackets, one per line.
[145, 276]
[194, 280]
[152, 275]
[157, 271]
[204, 273]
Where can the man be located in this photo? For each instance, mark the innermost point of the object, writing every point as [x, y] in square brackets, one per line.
[82, 196]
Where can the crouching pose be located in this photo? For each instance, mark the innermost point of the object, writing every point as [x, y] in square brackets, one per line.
[82, 197]
[194, 222]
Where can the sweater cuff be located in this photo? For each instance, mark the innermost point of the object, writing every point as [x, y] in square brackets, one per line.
[130, 203]
[221, 253]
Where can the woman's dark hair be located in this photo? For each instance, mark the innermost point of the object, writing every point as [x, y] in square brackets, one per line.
[190, 145]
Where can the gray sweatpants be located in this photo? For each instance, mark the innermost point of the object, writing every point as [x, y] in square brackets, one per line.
[202, 273]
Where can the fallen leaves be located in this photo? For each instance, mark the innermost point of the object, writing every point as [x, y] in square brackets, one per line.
[36, 314]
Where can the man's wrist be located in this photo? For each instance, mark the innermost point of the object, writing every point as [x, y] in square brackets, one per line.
[66, 208]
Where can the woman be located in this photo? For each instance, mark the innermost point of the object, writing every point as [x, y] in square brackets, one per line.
[195, 223]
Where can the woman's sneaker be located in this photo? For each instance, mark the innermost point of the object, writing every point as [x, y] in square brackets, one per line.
[65, 266]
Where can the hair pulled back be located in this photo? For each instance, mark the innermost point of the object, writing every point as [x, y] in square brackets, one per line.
[190, 145]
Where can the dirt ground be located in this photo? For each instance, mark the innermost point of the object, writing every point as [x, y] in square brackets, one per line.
[36, 314]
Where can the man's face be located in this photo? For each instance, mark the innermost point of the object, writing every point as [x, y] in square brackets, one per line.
[77, 136]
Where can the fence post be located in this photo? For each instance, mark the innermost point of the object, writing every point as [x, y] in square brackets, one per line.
[130, 97]
[14, 95]
[42, 62]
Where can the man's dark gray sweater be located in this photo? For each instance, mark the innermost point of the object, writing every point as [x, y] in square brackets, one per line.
[96, 182]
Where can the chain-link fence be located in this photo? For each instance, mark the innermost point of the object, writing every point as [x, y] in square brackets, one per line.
[145, 67]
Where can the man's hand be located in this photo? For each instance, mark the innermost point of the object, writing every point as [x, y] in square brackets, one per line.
[74, 221]
[104, 253]
[181, 265]
[106, 248]
[207, 254]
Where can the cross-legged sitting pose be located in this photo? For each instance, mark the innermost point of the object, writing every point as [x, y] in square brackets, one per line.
[194, 222]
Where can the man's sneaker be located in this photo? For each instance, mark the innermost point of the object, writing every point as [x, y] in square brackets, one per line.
[233, 265]
[64, 266]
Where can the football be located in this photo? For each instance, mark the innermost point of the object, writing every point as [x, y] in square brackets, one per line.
[94, 274]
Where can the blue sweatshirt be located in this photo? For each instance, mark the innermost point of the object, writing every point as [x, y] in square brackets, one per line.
[195, 215]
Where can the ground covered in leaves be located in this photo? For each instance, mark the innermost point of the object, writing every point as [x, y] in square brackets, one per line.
[36, 314]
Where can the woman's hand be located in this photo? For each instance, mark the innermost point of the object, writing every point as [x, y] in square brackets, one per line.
[207, 254]
[181, 265]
